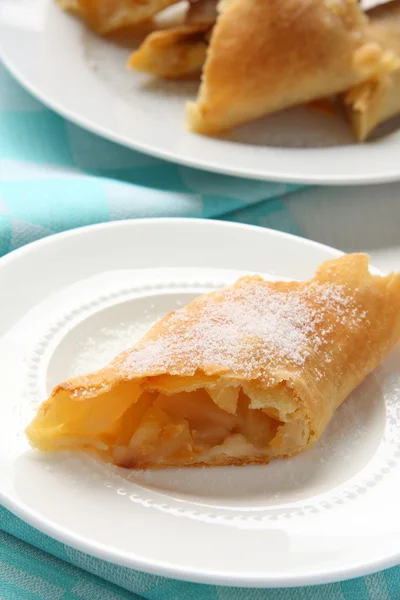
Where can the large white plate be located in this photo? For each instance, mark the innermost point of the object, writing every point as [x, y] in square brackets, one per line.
[70, 302]
[86, 79]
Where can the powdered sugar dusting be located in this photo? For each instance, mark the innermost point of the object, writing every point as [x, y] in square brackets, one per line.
[245, 328]
[92, 353]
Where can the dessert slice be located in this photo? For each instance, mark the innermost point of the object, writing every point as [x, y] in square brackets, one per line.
[239, 376]
[105, 16]
[267, 56]
[375, 101]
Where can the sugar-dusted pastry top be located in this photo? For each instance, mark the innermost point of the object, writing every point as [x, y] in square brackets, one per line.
[247, 329]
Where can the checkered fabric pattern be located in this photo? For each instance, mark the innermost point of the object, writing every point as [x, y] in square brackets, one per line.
[55, 176]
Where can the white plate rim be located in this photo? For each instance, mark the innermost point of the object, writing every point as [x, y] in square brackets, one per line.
[163, 568]
[195, 575]
[327, 174]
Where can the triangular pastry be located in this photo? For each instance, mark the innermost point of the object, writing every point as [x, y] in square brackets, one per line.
[238, 376]
[105, 16]
[180, 51]
[173, 53]
[378, 99]
[267, 55]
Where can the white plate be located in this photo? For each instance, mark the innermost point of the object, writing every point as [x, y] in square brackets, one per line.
[70, 303]
[86, 80]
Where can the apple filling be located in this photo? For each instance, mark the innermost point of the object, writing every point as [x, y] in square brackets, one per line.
[175, 421]
[191, 427]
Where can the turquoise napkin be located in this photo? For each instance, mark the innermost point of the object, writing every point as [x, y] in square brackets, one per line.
[55, 176]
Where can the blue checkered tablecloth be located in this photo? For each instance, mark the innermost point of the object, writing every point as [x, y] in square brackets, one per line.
[55, 176]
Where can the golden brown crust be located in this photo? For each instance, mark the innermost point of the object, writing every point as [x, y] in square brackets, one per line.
[296, 349]
[178, 52]
[173, 53]
[378, 99]
[268, 55]
[221, 461]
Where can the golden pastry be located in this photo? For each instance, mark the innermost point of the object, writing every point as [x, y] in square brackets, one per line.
[202, 11]
[180, 51]
[239, 376]
[173, 53]
[265, 56]
[378, 99]
[105, 16]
